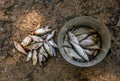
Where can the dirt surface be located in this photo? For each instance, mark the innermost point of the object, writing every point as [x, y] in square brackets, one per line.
[19, 17]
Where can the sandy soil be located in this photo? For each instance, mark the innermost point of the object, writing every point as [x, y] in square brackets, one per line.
[19, 17]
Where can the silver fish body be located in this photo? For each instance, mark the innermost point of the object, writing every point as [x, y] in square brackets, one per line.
[52, 43]
[42, 31]
[40, 58]
[29, 56]
[34, 57]
[87, 42]
[35, 45]
[26, 41]
[48, 49]
[54, 52]
[80, 51]
[50, 36]
[36, 38]
[89, 52]
[19, 47]
[42, 50]
[81, 37]
[72, 53]
[73, 38]
[95, 52]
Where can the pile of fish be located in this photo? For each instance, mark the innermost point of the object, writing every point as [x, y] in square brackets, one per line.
[38, 46]
[82, 44]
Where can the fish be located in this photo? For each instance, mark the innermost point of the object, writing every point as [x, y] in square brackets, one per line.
[80, 51]
[34, 57]
[95, 52]
[89, 52]
[36, 38]
[26, 41]
[34, 45]
[81, 37]
[83, 30]
[29, 56]
[19, 48]
[72, 53]
[93, 47]
[52, 43]
[41, 31]
[40, 58]
[87, 42]
[44, 36]
[73, 38]
[42, 50]
[48, 49]
[54, 52]
[50, 36]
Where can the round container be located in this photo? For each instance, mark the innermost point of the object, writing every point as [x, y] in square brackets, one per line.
[102, 31]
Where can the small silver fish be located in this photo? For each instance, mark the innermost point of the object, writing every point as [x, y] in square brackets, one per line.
[29, 56]
[87, 42]
[54, 52]
[73, 38]
[52, 43]
[19, 48]
[34, 57]
[50, 36]
[26, 41]
[36, 38]
[72, 53]
[42, 31]
[42, 50]
[81, 37]
[80, 51]
[48, 49]
[89, 52]
[95, 52]
[44, 36]
[35, 45]
[83, 30]
[40, 58]
[93, 47]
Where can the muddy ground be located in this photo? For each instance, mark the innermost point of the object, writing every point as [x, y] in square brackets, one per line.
[19, 17]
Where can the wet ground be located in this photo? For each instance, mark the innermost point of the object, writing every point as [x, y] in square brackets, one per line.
[19, 17]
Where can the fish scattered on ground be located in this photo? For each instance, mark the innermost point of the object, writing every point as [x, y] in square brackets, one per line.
[39, 45]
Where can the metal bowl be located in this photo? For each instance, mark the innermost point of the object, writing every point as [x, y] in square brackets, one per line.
[102, 31]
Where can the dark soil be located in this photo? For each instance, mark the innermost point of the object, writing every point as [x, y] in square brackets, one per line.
[19, 17]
